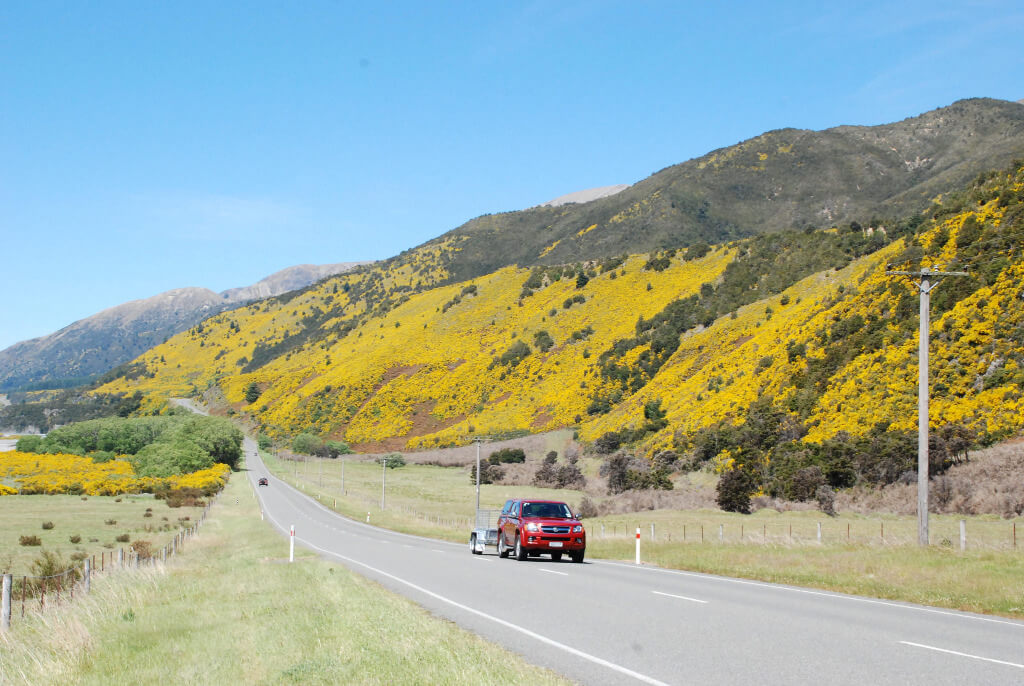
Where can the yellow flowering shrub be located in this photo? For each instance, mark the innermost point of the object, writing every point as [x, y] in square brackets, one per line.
[34, 473]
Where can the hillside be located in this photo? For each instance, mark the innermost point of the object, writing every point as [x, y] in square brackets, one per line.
[97, 344]
[800, 333]
[784, 179]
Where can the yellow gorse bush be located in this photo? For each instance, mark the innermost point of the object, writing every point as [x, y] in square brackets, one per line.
[31, 473]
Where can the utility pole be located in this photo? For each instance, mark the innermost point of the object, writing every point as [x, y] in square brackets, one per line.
[927, 280]
[478, 440]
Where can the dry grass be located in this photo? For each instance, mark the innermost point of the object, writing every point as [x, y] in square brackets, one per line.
[991, 483]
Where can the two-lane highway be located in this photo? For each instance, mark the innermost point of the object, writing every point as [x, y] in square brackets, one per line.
[608, 623]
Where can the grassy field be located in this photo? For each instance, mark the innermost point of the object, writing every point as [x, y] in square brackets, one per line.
[232, 610]
[869, 555]
[140, 517]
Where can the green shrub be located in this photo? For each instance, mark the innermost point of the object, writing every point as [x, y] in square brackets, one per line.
[306, 443]
[123, 538]
[393, 460]
[75, 539]
[47, 526]
[734, 491]
[507, 455]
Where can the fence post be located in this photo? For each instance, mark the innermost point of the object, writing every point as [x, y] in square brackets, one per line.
[721, 533]
[652, 532]
[87, 575]
[819, 533]
[5, 606]
[963, 535]
[120, 558]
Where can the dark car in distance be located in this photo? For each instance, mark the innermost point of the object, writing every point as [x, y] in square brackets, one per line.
[263, 481]
[528, 527]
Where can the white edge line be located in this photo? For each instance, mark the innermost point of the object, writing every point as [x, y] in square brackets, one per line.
[515, 627]
[954, 652]
[551, 571]
[823, 594]
[681, 597]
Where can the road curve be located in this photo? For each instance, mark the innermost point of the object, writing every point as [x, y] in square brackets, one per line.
[616, 623]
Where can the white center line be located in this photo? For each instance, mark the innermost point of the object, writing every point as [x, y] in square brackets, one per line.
[973, 657]
[551, 571]
[681, 597]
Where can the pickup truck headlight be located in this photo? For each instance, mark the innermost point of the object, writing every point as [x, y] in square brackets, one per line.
[578, 529]
[533, 526]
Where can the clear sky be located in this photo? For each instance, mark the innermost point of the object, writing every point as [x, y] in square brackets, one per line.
[152, 145]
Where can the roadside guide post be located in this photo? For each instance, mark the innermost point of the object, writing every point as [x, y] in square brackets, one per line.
[291, 545]
[638, 545]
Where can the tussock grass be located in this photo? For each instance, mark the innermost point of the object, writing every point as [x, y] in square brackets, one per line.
[232, 610]
[73, 516]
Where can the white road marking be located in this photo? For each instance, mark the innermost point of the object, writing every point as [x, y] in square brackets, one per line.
[434, 550]
[509, 625]
[551, 571]
[681, 597]
[805, 591]
[954, 652]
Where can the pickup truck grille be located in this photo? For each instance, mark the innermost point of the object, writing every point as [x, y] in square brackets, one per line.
[550, 529]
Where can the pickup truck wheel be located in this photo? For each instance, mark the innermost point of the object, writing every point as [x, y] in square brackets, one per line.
[520, 553]
[472, 545]
[556, 557]
[577, 557]
[502, 550]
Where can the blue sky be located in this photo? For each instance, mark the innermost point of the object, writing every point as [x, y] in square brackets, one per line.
[146, 146]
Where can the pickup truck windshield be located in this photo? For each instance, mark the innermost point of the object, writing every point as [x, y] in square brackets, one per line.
[549, 510]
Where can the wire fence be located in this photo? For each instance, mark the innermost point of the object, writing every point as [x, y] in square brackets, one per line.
[962, 534]
[23, 593]
[946, 531]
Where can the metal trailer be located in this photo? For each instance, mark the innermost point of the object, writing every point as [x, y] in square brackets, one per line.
[485, 531]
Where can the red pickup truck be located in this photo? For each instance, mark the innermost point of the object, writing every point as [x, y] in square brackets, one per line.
[527, 528]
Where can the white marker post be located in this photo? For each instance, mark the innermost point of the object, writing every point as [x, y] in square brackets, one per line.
[291, 545]
[638, 545]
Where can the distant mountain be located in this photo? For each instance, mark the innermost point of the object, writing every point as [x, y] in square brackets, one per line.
[585, 196]
[97, 344]
[783, 179]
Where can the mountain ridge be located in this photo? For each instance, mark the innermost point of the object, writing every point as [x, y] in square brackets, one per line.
[98, 343]
[785, 178]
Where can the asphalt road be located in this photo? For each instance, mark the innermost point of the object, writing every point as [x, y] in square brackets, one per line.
[617, 623]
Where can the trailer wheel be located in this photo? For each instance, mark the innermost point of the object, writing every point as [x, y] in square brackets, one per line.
[472, 546]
